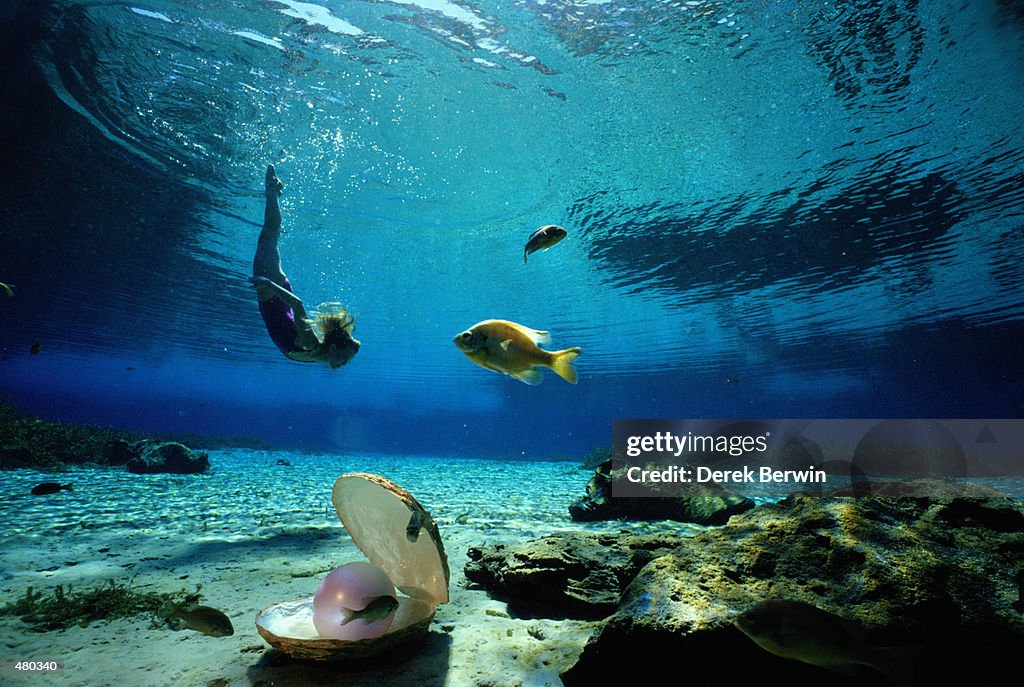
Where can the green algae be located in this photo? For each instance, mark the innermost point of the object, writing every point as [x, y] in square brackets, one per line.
[69, 607]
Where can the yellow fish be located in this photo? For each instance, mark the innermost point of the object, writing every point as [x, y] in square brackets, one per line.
[511, 349]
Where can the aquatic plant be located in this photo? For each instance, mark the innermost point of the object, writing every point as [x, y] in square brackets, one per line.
[67, 607]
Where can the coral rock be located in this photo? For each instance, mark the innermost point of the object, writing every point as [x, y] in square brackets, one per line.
[576, 575]
[704, 503]
[169, 457]
[944, 574]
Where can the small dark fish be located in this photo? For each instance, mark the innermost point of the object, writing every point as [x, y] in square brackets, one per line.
[379, 608]
[203, 619]
[50, 488]
[36, 347]
[416, 522]
[543, 238]
[805, 633]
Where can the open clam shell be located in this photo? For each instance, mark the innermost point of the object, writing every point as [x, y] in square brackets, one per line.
[378, 515]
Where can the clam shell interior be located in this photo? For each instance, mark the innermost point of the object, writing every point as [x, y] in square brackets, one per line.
[375, 511]
[288, 627]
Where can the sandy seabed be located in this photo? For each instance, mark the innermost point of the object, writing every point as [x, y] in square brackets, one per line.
[252, 533]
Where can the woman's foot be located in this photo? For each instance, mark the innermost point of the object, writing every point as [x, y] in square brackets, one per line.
[274, 184]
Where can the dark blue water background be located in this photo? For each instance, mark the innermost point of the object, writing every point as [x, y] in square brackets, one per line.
[775, 209]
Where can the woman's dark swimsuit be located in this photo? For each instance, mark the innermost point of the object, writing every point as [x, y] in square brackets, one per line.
[280, 320]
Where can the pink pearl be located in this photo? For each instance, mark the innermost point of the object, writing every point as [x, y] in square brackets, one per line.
[350, 588]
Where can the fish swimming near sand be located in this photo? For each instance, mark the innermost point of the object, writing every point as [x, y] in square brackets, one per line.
[378, 609]
[511, 349]
[543, 238]
[50, 488]
[203, 619]
[801, 632]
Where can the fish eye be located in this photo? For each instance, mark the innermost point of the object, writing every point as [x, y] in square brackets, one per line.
[466, 336]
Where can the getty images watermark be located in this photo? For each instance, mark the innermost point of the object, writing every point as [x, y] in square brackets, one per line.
[815, 455]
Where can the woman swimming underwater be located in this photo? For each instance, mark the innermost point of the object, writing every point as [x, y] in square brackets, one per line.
[326, 337]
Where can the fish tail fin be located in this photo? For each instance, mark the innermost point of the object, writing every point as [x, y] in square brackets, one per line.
[347, 616]
[898, 663]
[68, 486]
[561, 363]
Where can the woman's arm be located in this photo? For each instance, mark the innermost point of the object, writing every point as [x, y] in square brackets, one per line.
[267, 289]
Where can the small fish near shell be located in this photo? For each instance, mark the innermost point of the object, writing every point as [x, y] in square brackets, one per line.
[205, 619]
[378, 609]
[543, 238]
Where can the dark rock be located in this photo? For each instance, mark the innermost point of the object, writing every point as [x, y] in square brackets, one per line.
[702, 503]
[15, 456]
[120, 451]
[596, 456]
[574, 575]
[942, 574]
[169, 457]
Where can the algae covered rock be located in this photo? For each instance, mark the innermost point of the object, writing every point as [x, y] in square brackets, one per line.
[943, 575]
[168, 457]
[573, 575]
[706, 503]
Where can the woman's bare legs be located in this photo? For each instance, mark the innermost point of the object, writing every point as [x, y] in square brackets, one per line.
[267, 262]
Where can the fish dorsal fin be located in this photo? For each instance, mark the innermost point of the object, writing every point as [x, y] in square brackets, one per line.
[503, 327]
[533, 376]
[537, 336]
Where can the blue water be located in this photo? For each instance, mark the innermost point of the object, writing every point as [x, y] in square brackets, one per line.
[775, 209]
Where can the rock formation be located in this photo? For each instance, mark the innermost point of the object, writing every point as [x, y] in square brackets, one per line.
[169, 457]
[702, 503]
[576, 575]
[942, 574]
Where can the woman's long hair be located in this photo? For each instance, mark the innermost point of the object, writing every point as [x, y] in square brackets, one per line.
[331, 322]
